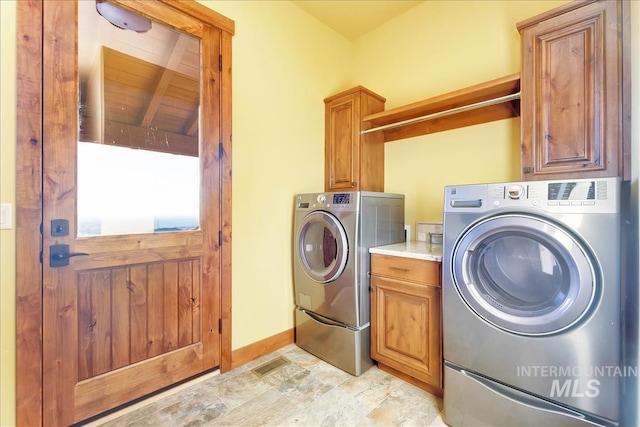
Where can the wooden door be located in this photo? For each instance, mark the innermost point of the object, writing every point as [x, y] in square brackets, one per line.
[133, 311]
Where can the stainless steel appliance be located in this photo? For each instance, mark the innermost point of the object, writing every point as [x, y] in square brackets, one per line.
[531, 303]
[332, 236]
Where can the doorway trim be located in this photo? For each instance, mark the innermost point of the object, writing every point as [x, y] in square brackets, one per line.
[29, 178]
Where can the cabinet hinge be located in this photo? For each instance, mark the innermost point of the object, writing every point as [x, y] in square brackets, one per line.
[219, 238]
[219, 62]
[219, 326]
[220, 151]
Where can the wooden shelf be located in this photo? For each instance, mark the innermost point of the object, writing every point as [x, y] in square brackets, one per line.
[494, 89]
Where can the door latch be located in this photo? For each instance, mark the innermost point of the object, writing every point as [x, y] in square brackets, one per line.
[59, 227]
[59, 255]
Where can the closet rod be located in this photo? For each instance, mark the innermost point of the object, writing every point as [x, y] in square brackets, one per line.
[456, 110]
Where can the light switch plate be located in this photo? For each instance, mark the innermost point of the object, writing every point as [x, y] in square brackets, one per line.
[6, 217]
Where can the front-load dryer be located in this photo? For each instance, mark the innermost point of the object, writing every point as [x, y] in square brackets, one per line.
[531, 303]
[332, 236]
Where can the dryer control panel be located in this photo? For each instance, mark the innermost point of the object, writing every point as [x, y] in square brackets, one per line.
[337, 202]
[596, 195]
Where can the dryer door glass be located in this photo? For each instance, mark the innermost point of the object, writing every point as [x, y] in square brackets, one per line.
[322, 246]
[524, 274]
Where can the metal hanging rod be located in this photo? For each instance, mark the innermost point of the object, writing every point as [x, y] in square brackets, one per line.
[456, 110]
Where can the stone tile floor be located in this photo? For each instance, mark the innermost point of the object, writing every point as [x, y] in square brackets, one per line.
[305, 392]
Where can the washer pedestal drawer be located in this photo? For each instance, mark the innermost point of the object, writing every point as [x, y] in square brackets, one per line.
[472, 400]
[345, 348]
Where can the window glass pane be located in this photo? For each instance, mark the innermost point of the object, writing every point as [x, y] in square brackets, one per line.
[320, 247]
[121, 190]
[521, 274]
[138, 156]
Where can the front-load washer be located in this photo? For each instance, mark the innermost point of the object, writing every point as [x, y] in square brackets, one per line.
[332, 236]
[531, 303]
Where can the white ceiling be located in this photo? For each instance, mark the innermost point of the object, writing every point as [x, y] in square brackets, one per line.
[353, 18]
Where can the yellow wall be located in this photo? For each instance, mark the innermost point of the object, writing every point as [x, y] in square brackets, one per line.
[284, 63]
[7, 195]
[434, 48]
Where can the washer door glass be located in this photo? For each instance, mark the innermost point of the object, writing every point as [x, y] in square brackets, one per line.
[322, 246]
[524, 274]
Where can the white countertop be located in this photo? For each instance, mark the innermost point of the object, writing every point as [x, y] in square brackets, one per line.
[412, 249]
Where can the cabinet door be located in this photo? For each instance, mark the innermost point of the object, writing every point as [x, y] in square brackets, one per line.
[571, 101]
[353, 161]
[405, 328]
[342, 147]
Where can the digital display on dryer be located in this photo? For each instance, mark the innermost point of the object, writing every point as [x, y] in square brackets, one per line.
[583, 190]
[341, 199]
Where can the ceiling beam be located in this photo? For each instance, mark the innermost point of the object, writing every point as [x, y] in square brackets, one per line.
[164, 79]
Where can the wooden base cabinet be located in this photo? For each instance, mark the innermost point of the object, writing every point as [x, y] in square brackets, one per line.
[353, 162]
[406, 312]
[575, 90]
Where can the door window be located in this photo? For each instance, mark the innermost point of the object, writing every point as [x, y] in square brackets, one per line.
[138, 151]
[322, 246]
[524, 274]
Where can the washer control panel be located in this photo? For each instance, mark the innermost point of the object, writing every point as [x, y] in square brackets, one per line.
[516, 191]
[570, 196]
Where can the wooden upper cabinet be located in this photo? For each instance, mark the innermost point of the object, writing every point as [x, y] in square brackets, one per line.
[574, 91]
[353, 161]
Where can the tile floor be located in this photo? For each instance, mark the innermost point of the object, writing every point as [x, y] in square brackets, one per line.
[305, 392]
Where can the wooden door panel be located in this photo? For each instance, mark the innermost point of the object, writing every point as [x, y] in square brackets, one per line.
[120, 344]
[105, 392]
[406, 328]
[568, 90]
[126, 315]
[94, 323]
[342, 156]
[400, 337]
[404, 309]
[155, 301]
[573, 69]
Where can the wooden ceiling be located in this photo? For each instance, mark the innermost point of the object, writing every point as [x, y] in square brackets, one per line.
[141, 90]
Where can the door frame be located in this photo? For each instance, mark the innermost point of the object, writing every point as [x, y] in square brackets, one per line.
[29, 179]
